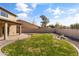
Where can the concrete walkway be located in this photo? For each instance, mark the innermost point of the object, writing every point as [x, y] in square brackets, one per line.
[3, 43]
[11, 39]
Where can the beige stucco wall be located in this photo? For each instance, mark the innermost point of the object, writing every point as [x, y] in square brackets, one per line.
[1, 29]
[12, 28]
[10, 16]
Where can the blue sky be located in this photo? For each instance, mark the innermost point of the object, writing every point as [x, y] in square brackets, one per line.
[62, 13]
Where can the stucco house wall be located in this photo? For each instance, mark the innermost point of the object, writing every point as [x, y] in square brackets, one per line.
[11, 17]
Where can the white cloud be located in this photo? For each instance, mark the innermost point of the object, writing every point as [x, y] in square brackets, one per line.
[25, 7]
[34, 5]
[71, 11]
[66, 21]
[50, 10]
[57, 11]
[76, 18]
[25, 10]
[56, 17]
[22, 7]
[22, 15]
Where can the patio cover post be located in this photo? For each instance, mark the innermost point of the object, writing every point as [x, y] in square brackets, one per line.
[19, 29]
[5, 30]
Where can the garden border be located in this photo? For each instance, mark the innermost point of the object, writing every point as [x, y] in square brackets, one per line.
[73, 46]
[70, 43]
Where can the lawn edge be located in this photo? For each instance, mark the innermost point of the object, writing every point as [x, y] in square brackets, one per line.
[3, 54]
[73, 46]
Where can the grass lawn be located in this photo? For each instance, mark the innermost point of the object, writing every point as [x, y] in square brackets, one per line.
[40, 45]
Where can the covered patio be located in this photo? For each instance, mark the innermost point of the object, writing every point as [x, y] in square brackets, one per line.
[8, 28]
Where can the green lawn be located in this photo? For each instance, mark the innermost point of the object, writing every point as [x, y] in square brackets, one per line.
[40, 45]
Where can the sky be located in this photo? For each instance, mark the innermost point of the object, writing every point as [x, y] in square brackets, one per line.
[62, 13]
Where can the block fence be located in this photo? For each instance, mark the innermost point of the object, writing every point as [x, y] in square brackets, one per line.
[72, 33]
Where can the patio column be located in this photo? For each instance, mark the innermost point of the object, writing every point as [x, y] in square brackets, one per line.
[19, 29]
[5, 30]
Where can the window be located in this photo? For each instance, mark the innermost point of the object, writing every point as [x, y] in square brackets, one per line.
[2, 13]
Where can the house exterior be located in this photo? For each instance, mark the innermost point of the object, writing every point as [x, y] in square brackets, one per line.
[27, 27]
[8, 24]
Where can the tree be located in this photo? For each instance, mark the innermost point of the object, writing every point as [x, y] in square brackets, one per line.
[52, 26]
[57, 25]
[45, 20]
[74, 26]
[65, 27]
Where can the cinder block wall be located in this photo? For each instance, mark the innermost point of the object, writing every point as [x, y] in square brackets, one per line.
[39, 30]
[73, 33]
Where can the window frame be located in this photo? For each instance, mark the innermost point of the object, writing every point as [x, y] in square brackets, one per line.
[3, 13]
